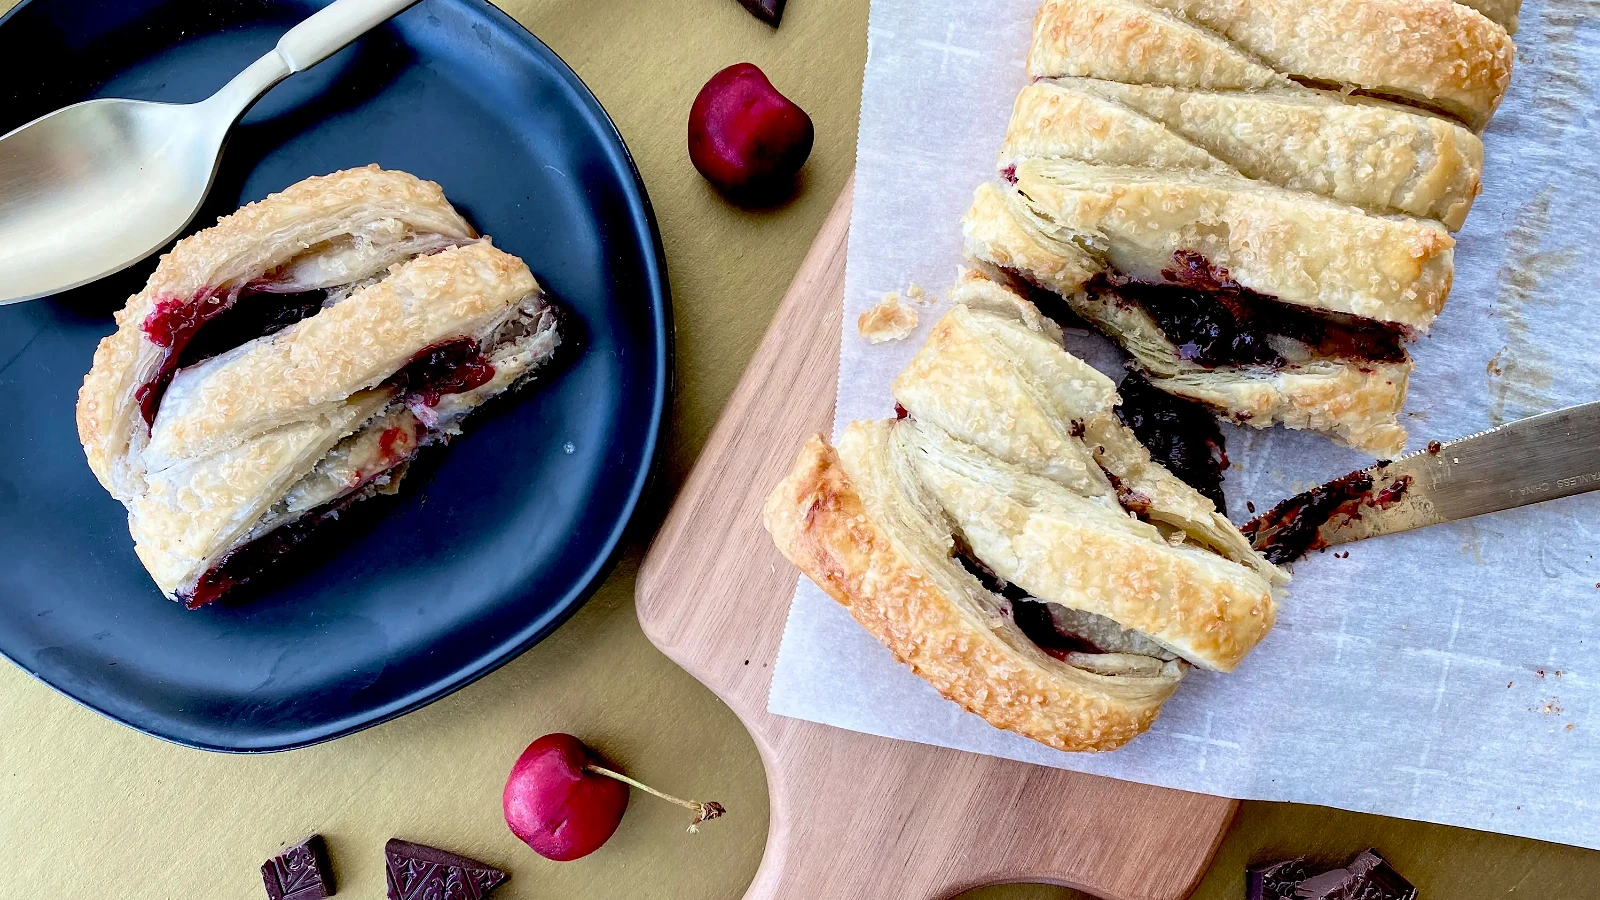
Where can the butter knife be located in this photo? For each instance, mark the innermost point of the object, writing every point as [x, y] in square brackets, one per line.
[1556, 454]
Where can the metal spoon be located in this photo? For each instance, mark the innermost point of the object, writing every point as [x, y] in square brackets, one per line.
[95, 187]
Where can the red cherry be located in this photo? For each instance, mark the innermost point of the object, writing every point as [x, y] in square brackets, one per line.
[555, 805]
[746, 138]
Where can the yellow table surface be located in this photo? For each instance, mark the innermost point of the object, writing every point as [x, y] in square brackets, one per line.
[89, 809]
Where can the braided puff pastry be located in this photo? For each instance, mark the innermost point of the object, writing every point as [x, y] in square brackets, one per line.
[987, 538]
[291, 360]
[1435, 54]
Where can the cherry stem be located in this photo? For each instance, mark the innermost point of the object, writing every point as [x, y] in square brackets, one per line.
[703, 812]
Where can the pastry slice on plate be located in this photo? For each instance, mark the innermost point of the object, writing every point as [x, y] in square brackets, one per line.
[291, 360]
[1012, 542]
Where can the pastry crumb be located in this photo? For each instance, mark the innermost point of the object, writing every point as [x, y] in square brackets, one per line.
[916, 294]
[890, 320]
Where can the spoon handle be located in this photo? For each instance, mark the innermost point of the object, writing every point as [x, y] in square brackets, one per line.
[333, 26]
[301, 47]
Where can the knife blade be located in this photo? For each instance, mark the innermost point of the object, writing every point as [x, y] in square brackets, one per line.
[1556, 454]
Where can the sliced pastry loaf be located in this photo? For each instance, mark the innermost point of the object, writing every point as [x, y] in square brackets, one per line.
[1012, 542]
[291, 361]
[1376, 155]
[1436, 54]
[1059, 420]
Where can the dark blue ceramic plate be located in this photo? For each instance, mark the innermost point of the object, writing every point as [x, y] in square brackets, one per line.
[493, 541]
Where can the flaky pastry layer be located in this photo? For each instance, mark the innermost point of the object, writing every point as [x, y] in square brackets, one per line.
[1436, 54]
[1379, 156]
[832, 517]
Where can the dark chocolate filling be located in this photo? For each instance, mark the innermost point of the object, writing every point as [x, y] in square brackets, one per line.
[1180, 434]
[1215, 321]
[175, 325]
[1289, 530]
[1028, 612]
[242, 323]
[1034, 618]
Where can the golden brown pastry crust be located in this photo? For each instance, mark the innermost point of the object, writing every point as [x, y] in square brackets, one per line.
[384, 208]
[1288, 245]
[1088, 554]
[823, 518]
[1435, 53]
[1132, 42]
[991, 379]
[1380, 156]
[258, 435]
[1011, 452]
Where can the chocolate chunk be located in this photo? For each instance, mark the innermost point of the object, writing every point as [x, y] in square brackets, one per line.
[1367, 877]
[1275, 881]
[300, 872]
[419, 872]
[768, 11]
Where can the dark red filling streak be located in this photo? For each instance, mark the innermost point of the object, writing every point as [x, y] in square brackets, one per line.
[1214, 321]
[388, 439]
[454, 366]
[448, 367]
[175, 326]
[1289, 530]
[243, 564]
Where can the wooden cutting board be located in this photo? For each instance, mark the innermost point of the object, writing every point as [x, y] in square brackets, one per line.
[856, 816]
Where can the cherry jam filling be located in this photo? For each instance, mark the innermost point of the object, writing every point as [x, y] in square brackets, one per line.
[1289, 530]
[1209, 329]
[390, 440]
[175, 325]
[171, 326]
[1215, 321]
[1180, 434]
[242, 565]
[448, 367]
[241, 323]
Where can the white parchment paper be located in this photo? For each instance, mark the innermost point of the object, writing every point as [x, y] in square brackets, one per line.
[1449, 674]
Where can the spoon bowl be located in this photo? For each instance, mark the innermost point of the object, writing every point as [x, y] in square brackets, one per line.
[89, 189]
[95, 187]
